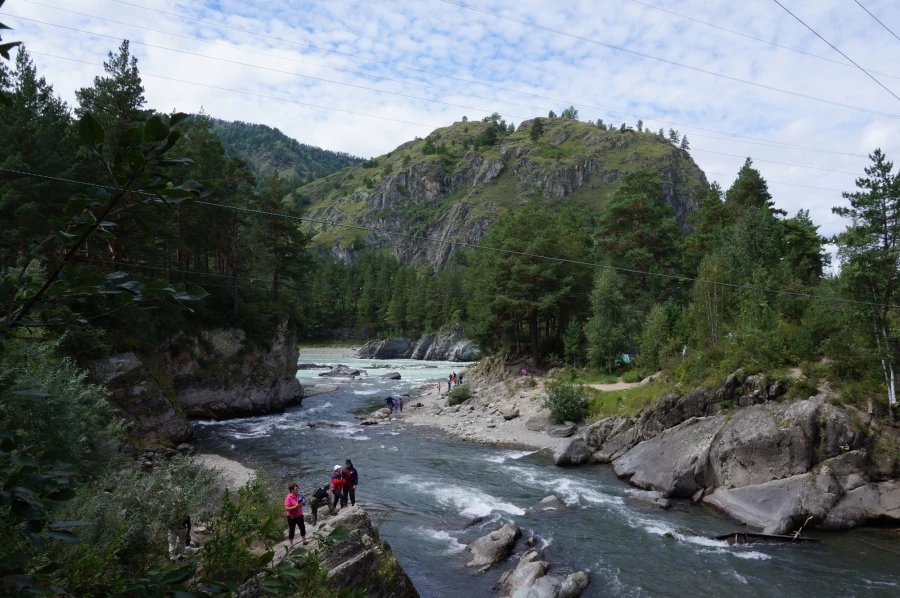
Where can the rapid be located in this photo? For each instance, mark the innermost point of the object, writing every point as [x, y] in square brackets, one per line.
[422, 487]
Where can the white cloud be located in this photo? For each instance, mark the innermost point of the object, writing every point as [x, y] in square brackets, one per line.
[434, 36]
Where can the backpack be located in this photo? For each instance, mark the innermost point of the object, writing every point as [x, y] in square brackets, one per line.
[301, 499]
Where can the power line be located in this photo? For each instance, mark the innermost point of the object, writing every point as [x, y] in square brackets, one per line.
[833, 47]
[758, 39]
[474, 82]
[783, 183]
[265, 68]
[476, 246]
[877, 19]
[774, 162]
[833, 14]
[249, 93]
[667, 61]
[381, 91]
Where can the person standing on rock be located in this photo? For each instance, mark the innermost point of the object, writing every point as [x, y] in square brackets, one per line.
[294, 510]
[337, 487]
[449, 382]
[400, 404]
[319, 499]
[390, 403]
[351, 478]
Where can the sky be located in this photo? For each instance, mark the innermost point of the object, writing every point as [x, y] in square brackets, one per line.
[364, 76]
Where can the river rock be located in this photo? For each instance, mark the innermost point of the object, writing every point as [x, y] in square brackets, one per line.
[495, 547]
[526, 573]
[650, 498]
[544, 587]
[548, 504]
[574, 585]
[510, 413]
[562, 430]
[763, 443]
[781, 506]
[341, 371]
[389, 376]
[674, 462]
[538, 423]
[319, 389]
[872, 503]
[383, 413]
[573, 451]
[390, 348]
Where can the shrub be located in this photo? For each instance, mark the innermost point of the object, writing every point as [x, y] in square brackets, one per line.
[459, 395]
[631, 377]
[566, 402]
[530, 382]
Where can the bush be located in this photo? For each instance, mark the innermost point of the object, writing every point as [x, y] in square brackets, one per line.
[566, 402]
[459, 395]
[632, 377]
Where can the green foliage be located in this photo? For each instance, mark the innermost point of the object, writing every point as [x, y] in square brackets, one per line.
[459, 395]
[632, 377]
[566, 402]
[606, 328]
[570, 113]
[575, 343]
[537, 130]
[655, 338]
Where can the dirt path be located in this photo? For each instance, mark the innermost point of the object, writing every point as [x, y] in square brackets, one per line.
[615, 386]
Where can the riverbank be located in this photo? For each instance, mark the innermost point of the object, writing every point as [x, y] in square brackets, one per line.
[498, 413]
[328, 351]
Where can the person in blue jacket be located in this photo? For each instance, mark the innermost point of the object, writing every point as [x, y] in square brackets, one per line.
[351, 478]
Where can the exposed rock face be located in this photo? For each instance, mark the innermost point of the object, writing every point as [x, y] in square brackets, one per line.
[495, 547]
[364, 563]
[458, 197]
[215, 375]
[449, 344]
[649, 498]
[772, 465]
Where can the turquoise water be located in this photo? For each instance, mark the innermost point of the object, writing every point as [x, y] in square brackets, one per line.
[422, 487]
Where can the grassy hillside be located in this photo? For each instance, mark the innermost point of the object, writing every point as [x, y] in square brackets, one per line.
[269, 150]
[442, 185]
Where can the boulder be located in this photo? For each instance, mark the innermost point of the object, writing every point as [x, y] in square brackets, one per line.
[383, 413]
[574, 585]
[341, 371]
[527, 572]
[389, 376]
[650, 498]
[421, 348]
[319, 389]
[495, 547]
[538, 423]
[674, 462]
[548, 504]
[390, 348]
[870, 504]
[562, 430]
[474, 521]
[573, 451]
[763, 443]
[544, 587]
[781, 506]
[510, 413]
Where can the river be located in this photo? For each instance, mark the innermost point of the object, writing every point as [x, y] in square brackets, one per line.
[422, 487]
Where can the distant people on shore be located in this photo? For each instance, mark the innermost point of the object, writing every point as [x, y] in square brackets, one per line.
[293, 507]
[351, 479]
[396, 405]
[449, 382]
[389, 401]
[400, 404]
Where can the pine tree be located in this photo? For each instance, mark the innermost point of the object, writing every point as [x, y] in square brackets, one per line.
[673, 136]
[537, 129]
[574, 343]
[750, 190]
[551, 115]
[606, 330]
[570, 113]
[640, 126]
[684, 143]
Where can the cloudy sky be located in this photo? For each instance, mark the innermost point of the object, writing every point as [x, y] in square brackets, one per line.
[364, 76]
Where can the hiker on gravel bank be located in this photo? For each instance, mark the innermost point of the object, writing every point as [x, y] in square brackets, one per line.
[319, 499]
[337, 487]
[351, 478]
[390, 403]
[293, 507]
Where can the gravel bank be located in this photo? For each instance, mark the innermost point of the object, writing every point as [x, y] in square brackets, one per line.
[233, 473]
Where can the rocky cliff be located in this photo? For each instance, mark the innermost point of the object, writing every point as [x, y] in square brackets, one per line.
[773, 464]
[450, 344]
[215, 374]
[456, 194]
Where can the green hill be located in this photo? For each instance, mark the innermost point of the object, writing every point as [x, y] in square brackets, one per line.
[269, 150]
[442, 186]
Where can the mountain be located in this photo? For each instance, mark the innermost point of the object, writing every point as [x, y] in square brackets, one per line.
[442, 186]
[269, 150]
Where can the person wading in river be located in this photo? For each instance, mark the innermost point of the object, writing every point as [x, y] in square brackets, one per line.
[351, 478]
[294, 510]
[337, 487]
[320, 499]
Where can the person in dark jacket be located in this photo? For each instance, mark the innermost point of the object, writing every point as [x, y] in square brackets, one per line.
[337, 487]
[351, 478]
[390, 403]
[319, 499]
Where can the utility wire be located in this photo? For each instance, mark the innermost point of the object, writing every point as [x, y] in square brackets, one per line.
[452, 244]
[877, 19]
[833, 14]
[758, 39]
[670, 62]
[833, 47]
[783, 183]
[265, 68]
[249, 93]
[774, 162]
[470, 81]
[373, 89]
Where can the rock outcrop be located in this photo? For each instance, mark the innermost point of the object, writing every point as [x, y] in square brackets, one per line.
[493, 548]
[450, 344]
[775, 465]
[216, 374]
